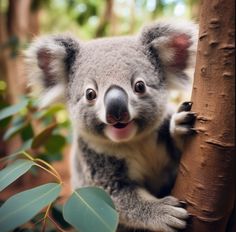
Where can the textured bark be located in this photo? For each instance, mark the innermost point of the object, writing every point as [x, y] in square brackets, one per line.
[206, 179]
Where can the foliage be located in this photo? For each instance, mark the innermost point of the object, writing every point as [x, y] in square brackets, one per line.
[13, 171]
[23, 206]
[83, 17]
[93, 203]
[86, 209]
[24, 121]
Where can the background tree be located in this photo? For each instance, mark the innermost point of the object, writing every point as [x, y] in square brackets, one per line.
[206, 179]
[19, 22]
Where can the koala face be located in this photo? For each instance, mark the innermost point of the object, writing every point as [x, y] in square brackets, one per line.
[116, 93]
[115, 88]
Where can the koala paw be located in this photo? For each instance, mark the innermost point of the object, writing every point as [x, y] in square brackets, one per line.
[182, 122]
[172, 215]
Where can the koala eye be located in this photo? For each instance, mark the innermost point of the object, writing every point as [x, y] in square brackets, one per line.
[139, 87]
[90, 94]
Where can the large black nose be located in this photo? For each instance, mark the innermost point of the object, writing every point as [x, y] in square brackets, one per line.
[116, 105]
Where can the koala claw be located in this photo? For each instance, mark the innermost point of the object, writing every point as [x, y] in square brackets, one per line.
[185, 106]
[182, 123]
[173, 215]
[183, 204]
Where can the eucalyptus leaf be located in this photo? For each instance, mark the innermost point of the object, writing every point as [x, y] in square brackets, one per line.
[56, 212]
[42, 137]
[10, 157]
[23, 206]
[55, 143]
[13, 171]
[14, 129]
[51, 111]
[50, 157]
[27, 132]
[91, 209]
[18, 119]
[25, 146]
[11, 110]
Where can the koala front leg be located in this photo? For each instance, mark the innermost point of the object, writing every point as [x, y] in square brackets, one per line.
[181, 124]
[139, 209]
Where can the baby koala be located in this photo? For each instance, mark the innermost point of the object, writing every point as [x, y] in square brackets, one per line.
[125, 140]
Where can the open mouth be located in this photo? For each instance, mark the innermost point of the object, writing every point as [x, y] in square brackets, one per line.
[121, 131]
[120, 125]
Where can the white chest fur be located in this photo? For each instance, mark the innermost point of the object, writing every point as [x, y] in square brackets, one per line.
[145, 158]
[146, 161]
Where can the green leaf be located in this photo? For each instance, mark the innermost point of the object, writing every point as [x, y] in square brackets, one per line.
[25, 146]
[58, 217]
[27, 132]
[11, 110]
[18, 119]
[11, 156]
[42, 137]
[55, 143]
[50, 157]
[13, 172]
[51, 111]
[14, 129]
[91, 209]
[23, 206]
[5, 122]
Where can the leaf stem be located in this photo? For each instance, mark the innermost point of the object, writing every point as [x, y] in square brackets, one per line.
[52, 170]
[55, 223]
[13, 156]
[50, 167]
[45, 217]
[45, 169]
[27, 155]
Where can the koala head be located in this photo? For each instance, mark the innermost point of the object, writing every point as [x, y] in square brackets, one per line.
[115, 88]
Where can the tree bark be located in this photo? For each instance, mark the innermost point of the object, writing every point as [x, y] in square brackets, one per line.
[105, 19]
[206, 178]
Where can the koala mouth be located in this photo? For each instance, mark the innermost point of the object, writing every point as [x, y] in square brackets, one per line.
[121, 132]
[120, 125]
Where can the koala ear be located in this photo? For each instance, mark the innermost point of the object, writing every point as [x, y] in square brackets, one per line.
[173, 46]
[49, 63]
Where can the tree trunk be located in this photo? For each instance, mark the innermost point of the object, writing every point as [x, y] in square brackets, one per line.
[206, 179]
[105, 19]
[17, 26]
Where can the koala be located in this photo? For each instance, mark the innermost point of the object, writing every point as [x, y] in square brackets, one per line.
[126, 139]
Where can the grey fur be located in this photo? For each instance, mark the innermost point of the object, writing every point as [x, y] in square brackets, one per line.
[72, 52]
[139, 171]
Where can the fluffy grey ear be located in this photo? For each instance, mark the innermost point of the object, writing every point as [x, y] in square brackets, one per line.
[49, 63]
[173, 46]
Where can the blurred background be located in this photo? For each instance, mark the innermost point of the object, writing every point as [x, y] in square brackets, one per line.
[46, 134]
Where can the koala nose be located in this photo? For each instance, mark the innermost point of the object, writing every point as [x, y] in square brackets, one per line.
[116, 104]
